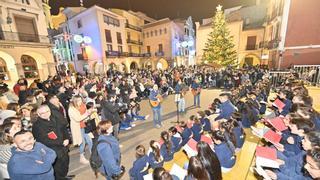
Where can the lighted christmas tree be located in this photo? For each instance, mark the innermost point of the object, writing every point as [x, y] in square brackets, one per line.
[219, 47]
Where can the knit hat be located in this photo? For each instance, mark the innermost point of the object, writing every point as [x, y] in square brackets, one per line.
[4, 114]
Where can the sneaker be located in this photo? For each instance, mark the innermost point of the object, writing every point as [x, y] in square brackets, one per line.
[120, 146]
[83, 160]
[146, 117]
[133, 125]
[158, 126]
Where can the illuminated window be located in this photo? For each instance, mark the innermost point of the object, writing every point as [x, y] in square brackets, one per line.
[29, 66]
[4, 75]
[160, 31]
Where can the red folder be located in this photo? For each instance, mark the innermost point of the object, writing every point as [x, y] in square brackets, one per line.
[206, 139]
[266, 152]
[277, 123]
[52, 135]
[272, 137]
[192, 144]
[279, 104]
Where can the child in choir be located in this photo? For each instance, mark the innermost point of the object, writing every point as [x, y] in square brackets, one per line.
[283, 95]
[140, 165]
[175, 138]
[167, 148]
[196, 128]
[225, 155]
[239, 134]
[203, 116]
[313, 163]
[196, 169]
[186, 133]
[226, 129]
[155, 158]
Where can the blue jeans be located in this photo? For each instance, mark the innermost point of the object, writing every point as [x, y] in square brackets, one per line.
[85, 140]
[196, 100]
[156, 116]
[182, 105]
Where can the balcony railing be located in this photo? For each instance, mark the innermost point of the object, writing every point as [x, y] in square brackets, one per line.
[113, 54]
[23, 37]
[269, 44]
[160, 53]
[123, 54]
[147, 55]
[134, 42]
[251, 47]
[133, 27]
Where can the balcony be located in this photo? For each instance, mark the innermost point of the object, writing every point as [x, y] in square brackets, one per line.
[23, 37]
[159, 54]
[113, 54]
[130, 41]
[146, 55]
[136, 28]
[251, 47]
[269, 44]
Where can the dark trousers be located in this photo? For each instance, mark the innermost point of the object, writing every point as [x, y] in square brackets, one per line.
[61, 165]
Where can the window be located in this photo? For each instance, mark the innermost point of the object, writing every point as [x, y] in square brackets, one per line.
[160, 48]
[29, 66]
[151, 33]
[4, 75]
[109, 47]
[120, 49]
[156, 32]
[165, 30]
[143, 35]
[160, 31]
[111, 21]
[148, 49]
[108, 36]
[79, 23]
[147, 34]
[119, 40]
[251, 42]
[128, 35]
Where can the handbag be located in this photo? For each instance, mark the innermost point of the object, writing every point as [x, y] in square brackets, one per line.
[90, 126]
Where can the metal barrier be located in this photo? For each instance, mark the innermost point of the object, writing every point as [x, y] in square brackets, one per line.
[277, 78]
[309, 73]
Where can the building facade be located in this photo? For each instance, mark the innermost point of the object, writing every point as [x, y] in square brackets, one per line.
[292, 39]
[25, 48]
[246, 27]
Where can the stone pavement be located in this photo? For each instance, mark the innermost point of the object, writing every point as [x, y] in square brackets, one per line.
[143, 132]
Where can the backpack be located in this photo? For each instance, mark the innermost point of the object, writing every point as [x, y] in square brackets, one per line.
[95, 159]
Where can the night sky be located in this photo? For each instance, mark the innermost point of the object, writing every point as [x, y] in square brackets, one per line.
[158, 9]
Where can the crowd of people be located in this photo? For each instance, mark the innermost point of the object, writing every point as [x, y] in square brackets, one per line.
[40, 121]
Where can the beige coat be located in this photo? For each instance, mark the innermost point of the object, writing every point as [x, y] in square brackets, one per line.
[75, 118]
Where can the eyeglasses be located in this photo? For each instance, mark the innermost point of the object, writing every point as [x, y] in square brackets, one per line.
[44, 112]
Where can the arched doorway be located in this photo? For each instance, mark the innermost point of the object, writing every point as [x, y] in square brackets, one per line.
[29, 66]
[250, 60]
[133, 66]
[123, 68]
[112, 66]
[4, 74]
[148, 65]
[162, 64]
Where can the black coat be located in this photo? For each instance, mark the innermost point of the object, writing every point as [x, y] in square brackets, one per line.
[110, 112]
[56, 113]
[41, 129]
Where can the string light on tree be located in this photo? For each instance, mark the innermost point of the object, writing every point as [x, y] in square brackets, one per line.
[219, 47]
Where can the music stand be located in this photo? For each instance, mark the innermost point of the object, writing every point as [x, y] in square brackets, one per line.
[177, 98]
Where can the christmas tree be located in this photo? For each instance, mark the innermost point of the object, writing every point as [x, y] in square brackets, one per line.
[219, 47]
